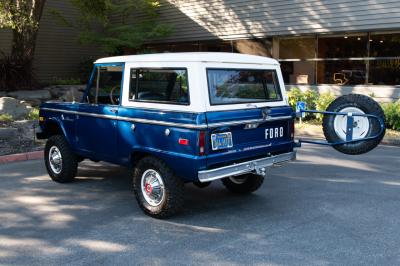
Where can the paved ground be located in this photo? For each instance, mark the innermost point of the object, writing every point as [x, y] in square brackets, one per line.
[326, 208]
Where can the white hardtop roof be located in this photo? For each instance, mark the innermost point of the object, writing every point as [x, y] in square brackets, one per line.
[215, 57]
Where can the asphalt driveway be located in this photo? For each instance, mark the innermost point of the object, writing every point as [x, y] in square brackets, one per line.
[326, 208]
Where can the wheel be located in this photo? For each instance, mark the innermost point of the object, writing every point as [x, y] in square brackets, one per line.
[202, 185]
[244, 183]
[158, 190]
[334, 126]
[61, 163]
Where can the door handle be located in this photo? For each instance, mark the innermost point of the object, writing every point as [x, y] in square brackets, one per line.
[114, 110]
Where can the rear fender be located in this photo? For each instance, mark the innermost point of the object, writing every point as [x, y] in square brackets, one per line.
[183, 165]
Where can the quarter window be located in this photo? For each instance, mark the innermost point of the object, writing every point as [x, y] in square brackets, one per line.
[159, 85]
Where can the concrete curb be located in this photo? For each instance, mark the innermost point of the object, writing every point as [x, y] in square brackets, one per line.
[35, 155]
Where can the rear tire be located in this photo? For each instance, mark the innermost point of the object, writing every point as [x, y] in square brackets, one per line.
[61, 163]
[243, 184]
[358, 102]
[159, 192]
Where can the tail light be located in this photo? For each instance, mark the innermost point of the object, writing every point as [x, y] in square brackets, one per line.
[202, 143]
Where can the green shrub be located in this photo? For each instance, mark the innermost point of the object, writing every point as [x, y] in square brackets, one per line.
[6, 118]
[85, 69]
[16, 73]
[309, 97]
[323, 101]
[66, 81]
[392, 114]
[33, 114]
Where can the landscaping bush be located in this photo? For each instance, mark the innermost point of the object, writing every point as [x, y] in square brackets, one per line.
[322, 103]
[16, 73]
[85, 69]
[309, 97]
[6, 118]
[392, 114]
[66, 81]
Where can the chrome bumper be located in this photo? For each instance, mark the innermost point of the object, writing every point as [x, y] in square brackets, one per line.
[258, 166]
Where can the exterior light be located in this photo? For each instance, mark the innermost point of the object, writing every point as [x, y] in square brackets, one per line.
[346, 37]
[370, 40]
[358, 38]
[381, 41]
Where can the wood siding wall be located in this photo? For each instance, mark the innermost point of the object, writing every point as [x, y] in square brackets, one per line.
[236, 19]
[58, 52]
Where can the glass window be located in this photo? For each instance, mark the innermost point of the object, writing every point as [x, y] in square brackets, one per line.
[233, 86]
[342, 72]
[342, 46]
[384, 45]
[106, 86]
[297, 48]
[159, 85]
[384, 72]
[298, 72]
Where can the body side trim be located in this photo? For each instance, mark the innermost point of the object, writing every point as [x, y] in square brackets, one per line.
[164, 123]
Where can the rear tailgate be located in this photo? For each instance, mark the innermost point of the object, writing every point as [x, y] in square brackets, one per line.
[241, 135]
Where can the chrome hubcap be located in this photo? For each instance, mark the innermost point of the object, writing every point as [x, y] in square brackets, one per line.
[360, 125]
[152, 187]
[238, 179]
[55, 160]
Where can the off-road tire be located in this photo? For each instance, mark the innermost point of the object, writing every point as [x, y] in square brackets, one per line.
[251, 184]
[173, 200]
[368, 106]
[69, 160]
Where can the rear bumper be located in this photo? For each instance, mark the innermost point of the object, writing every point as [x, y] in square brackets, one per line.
[259, 166]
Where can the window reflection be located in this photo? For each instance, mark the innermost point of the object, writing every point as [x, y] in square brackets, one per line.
[341, 72]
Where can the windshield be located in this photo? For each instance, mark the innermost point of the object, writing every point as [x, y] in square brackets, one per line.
[234, 86]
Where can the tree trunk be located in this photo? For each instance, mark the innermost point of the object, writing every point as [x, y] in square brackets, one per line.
[24, 39]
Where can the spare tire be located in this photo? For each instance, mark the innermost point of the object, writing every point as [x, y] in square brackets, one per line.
[334, 126]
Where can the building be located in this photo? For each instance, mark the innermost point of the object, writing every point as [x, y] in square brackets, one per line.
[336, 45]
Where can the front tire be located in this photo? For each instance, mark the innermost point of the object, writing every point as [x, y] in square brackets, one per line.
[159, 192]
[243, 184]
[61, 163]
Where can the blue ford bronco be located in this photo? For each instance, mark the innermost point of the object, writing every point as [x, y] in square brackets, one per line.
[191, 117]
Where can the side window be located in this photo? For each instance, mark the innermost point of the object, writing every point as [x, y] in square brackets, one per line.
[106, 85]
[159, 85]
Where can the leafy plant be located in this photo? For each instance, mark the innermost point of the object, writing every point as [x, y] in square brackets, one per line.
[22, 17]
[16, 73]
[85, 69]
[309, 97]
[6, 118]
[116, 25]
[66, 81]
[33, 114]
[322, 103]
[392, 114]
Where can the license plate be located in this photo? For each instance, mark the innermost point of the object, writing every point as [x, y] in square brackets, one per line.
[221, 141]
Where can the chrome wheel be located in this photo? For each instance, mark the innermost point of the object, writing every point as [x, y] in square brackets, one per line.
[361, 124]
[55, 160]
[238, 179]
[152, 186]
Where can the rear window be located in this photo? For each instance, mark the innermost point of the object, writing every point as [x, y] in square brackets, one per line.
[235, 86]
